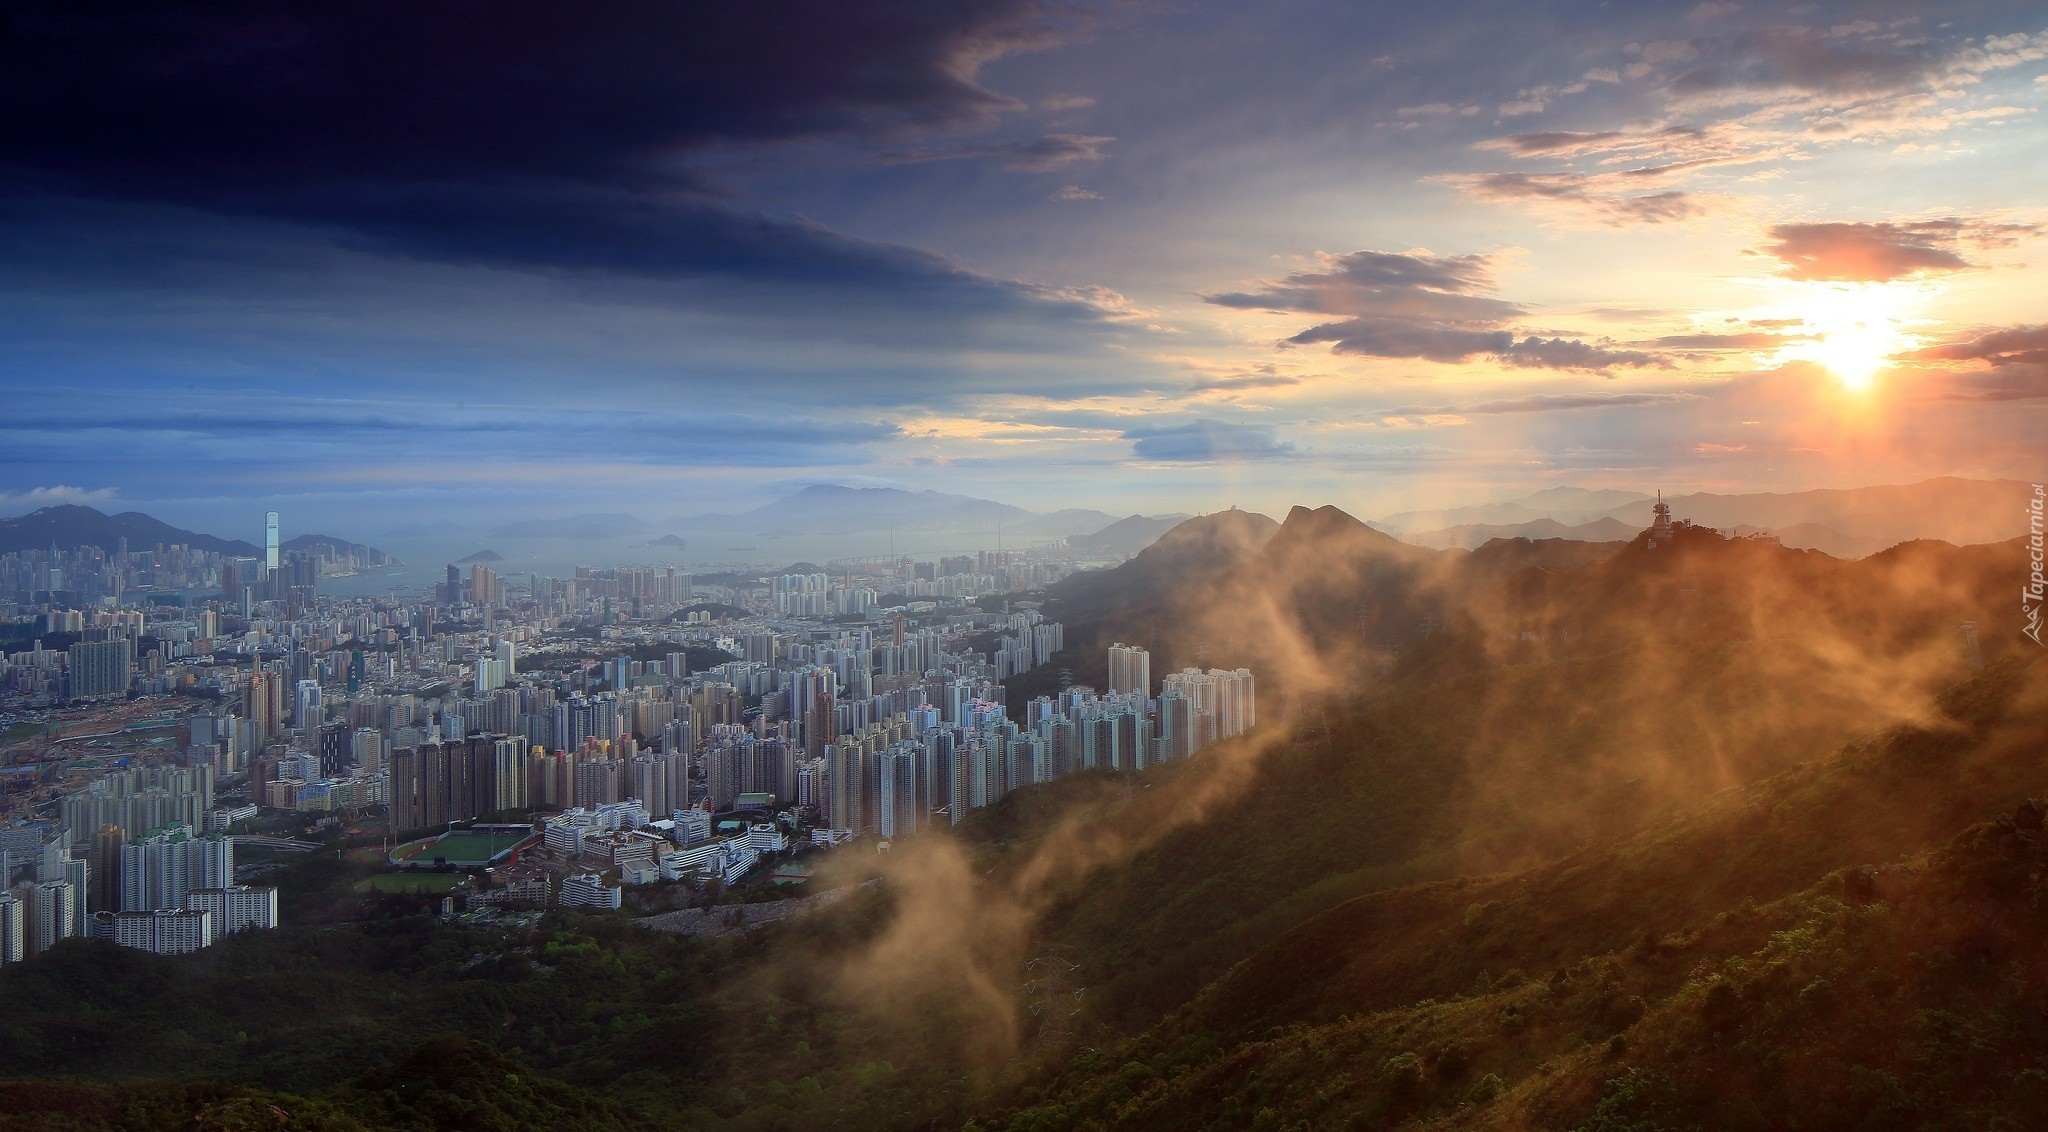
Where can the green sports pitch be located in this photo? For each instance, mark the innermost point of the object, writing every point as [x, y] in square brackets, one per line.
[463, 847]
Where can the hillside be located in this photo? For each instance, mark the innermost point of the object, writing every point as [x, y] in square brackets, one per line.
[1853, 942]
[365, 554]
[1512, 818]
[70, 525]
[1127, 535]
[1478, 534]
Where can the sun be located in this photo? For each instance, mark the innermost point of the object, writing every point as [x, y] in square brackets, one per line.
[1855, 351]
[1851, 330]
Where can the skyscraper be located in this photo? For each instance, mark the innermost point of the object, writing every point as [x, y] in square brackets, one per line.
[13, 929]
[306, 714]
[105, 858]
[101, 668]
[1130, 669]
[270, 561]
[162, 869]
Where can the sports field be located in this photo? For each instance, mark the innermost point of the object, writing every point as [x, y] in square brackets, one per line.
[466, 848]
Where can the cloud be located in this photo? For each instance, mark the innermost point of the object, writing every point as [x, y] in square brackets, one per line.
[1565, 353]
[543, 137]
[38, 497]
[1392, 338]
[1418, 305]
[1243, 382]
[1206, 442]
[1543, 403]
[1866, 253]
[1065, 101]
[2013, 345]
[255, 94]
[1053, 151]
[1074, 192]
[2016, 383]
[1384, 285]
[1751, 341]
[1767, 61]
[2017, 361]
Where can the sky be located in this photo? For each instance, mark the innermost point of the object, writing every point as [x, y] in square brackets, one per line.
[380, 264]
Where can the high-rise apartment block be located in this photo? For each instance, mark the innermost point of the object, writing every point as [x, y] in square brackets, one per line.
[1130, 669]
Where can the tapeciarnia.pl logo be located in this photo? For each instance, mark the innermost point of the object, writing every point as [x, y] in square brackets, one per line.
[2037, 585]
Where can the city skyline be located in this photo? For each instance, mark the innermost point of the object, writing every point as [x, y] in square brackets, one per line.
[1139, 260]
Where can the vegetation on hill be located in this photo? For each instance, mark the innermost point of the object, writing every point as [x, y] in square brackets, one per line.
[1530, 836]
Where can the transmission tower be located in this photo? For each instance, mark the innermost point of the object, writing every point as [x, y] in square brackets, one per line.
[1054, 998]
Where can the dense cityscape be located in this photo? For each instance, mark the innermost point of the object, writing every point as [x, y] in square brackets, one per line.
[544, 740]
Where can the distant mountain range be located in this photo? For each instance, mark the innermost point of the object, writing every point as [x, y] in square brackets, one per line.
[363, 552]
[831, 509]
[483, 556]
[1845, 522]
[1127, 535]
[71, 525]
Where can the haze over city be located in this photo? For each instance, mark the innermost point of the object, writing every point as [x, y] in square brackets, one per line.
[1023, 565]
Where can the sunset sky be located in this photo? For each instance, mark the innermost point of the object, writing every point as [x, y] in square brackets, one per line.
[373, 261]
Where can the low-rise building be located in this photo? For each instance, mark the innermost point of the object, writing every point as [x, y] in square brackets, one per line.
[588, 890]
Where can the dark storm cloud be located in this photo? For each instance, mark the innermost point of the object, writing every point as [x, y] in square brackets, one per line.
[261, 94]
[633, 233]
[521, 133]
[1203, 442]
[1411, 305]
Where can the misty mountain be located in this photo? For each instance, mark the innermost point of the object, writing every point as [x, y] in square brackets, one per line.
[1813, 536]
[832, 509]
[1473, 535]
[1846, 523]
[485, 555]
[363, 552]
[1127, 535]
[1959, 511]
[1065, 523]
[1566, 505]
[587, 526]
[69, 525]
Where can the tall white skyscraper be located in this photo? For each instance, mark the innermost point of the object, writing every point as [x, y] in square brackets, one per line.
[307, 715]
[270, 561]
[13, 929]
[1130, 669]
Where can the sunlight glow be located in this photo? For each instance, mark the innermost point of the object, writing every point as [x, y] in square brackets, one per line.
[1852, 330]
